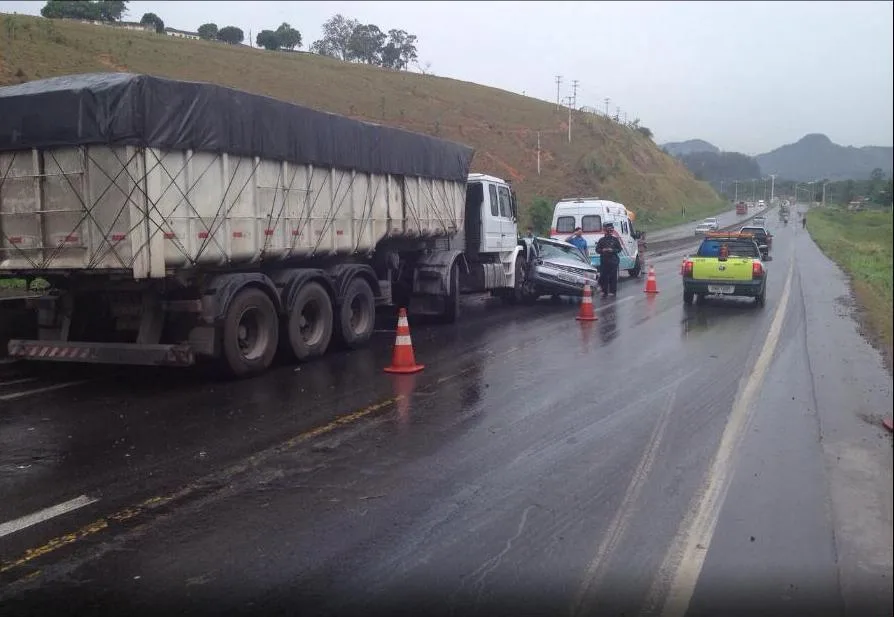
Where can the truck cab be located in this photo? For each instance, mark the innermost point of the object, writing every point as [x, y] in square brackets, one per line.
[590, 214]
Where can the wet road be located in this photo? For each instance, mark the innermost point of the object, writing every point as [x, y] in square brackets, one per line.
[686, 230]
[715, 458]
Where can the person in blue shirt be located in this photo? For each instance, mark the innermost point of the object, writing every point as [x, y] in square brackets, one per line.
[578, 240]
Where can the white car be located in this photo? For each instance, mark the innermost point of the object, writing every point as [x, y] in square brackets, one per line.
[709, 224]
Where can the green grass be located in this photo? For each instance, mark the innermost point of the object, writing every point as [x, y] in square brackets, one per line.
[861, 243]
[603, 159]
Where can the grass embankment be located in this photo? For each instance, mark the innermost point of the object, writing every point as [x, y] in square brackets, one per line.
[861, 243]
[604, 158]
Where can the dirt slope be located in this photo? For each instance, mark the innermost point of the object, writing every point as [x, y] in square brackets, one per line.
[604, 158]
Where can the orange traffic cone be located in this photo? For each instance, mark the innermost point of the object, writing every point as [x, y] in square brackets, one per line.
[651, 283]
[586, 306]
[403, 360]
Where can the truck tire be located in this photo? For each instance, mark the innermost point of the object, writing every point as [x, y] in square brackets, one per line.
[688, 296]
[250, 333]
[357, 314]
[517, 293]
[309, 324]
[451, 302]
[761, 300]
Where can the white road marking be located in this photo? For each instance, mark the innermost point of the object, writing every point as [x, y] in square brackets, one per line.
[17, 381]
[44, 515]
[618, 526]
[24, 393]
[683, 563]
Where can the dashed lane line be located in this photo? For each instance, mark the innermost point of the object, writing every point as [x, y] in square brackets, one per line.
[44, 515]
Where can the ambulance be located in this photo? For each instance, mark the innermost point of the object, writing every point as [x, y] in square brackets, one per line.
[590, 214]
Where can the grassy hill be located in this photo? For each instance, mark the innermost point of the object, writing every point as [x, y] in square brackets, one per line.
[604, 158]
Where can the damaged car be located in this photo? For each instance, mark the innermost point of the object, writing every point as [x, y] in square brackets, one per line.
[556, 268]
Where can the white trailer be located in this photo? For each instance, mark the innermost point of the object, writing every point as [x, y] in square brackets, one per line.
[177, 220]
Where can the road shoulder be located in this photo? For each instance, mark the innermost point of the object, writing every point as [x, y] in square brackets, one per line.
[853, 391]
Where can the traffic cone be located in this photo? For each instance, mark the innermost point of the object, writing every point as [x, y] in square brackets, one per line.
[586, 306]
[403, 359]
[651, 283]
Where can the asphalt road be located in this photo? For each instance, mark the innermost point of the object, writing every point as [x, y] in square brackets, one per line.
[686, 230]
[721, 458]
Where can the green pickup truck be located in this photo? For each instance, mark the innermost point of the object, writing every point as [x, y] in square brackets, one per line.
[726, 264]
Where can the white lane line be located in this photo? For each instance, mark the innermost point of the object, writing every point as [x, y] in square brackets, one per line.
[17, 381]
[44, 515]
[683, 563]
[24, 393]
[619, 524]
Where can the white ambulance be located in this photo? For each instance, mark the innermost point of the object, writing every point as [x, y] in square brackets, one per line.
[590, 214]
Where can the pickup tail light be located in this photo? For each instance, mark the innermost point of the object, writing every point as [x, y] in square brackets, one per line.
[757, 270]
[686, 269]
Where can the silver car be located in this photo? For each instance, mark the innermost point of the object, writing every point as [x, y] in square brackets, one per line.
[557, 268]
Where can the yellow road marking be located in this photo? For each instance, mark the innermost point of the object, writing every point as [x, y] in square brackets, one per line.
[152, 503]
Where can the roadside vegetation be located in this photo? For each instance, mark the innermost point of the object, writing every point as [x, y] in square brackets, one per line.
[861, 243]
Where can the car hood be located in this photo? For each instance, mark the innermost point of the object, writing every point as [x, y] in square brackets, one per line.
[568, 263]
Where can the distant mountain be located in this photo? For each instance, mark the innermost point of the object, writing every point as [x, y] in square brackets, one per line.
[716, 167]
[690, 146]
[815, 157]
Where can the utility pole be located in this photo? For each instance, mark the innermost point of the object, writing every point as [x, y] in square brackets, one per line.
[736, 184]
[569, 119]
[607, 101]
[538, 153]
[753, 184]
[721, 187]
[574, 83]
[772, 187]
[558, 89]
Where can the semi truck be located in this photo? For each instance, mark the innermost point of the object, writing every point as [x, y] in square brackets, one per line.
[180, 221]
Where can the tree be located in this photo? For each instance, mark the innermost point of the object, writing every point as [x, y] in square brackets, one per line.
[366, 43]
[400, 50]
[267, 39]
[541, 216]
[208, 31]
[289, 38]
[231, 35]
[645, 131]
[112, 11]
[151, 19]
[324, 48]
[337, 32]
[85, 9]
[849, 192]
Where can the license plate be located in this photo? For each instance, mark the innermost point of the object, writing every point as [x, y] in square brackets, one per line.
[568, 278]
[721, 289]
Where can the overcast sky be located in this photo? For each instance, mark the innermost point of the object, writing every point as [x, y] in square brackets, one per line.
[746, 76]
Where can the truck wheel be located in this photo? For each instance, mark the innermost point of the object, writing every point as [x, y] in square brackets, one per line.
[250, 333]
[687, 297]
[517, 293]
[637, 269]
[357, 314]
[309, 324]
[761, 300]
[451, 302]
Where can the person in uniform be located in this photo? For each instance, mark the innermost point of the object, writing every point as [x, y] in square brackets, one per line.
[609, 249]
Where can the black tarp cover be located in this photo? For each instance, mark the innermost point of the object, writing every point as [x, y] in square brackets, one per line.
[140, 110]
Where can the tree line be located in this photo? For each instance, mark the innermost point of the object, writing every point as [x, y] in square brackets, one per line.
[343, 38]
